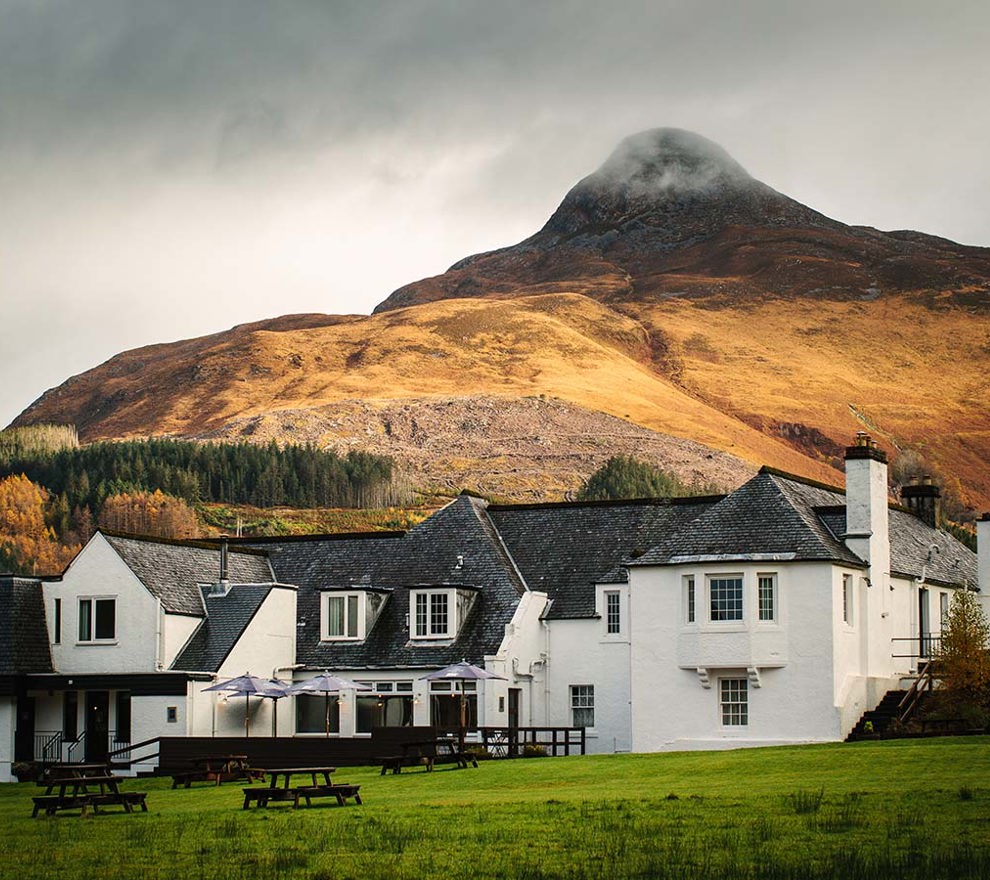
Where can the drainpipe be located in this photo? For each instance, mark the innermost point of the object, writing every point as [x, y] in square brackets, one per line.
[159, 637]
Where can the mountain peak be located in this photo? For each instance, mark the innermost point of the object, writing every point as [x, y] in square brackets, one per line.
[670, 160]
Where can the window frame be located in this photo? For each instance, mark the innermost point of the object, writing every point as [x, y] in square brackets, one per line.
[424, 613]
[848, 599]
[93, 604]
[773, 597]
[582, 699]
[57, 621]
[345, 597]
[690, 592]
[613, 621]
[710, 580]
[733, 708]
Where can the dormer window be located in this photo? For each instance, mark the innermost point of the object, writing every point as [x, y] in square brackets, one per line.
[348, 616]
[432, 615]
[438, 613]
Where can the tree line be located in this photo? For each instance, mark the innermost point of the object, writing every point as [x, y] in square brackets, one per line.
[232, 473]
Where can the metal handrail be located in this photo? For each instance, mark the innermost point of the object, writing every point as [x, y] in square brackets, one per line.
[928, 644]
[925, 681]
[79, 740]
[48, 746]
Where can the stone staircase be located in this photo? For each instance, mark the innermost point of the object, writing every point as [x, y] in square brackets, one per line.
[880, 717]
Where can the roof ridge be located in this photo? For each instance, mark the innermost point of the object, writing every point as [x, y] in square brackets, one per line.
[300, 539]
[796, 478]
[192, 543]
[667, 501]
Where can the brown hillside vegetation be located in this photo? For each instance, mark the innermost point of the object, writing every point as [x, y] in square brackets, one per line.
[669, 291]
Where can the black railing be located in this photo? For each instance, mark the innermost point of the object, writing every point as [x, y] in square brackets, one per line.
[516, 742]
[918, 647]
[70, 752]
[48, 746]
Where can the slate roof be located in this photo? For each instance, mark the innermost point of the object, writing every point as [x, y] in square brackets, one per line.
[565, 549]
[770, 517]
[781, 517]
[227, 616]
[174, 570]
[911, 555]
[426, 555]
[23, 631]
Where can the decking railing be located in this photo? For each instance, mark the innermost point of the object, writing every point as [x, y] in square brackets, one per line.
[512, 742]
[48, 746]
[917, 647]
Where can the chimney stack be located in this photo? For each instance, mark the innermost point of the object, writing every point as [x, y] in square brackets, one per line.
[223, 584]
[867, 533]
[922, 499]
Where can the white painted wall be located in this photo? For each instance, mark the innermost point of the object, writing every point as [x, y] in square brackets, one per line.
[581, 652]
[177, 629]
[266, 645]
[521, 660]
[788, 663]
[97, 571]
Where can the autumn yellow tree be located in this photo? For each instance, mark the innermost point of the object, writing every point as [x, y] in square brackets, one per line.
[149, 513]
[28, 545]
[964, 653]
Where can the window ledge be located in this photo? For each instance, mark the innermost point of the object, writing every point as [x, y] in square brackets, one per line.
[96, 644]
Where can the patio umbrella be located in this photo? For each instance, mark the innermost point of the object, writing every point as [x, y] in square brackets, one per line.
[326, 684]
[461, 672]
[246, 686]
[275, 691]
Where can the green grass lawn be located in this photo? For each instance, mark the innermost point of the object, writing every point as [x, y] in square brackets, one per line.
[900, 809]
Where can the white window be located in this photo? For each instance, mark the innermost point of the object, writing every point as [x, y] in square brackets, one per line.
[582, 705]
[725, 595]
[689, 598]
[847, 598]
[97, 619]
[613, 613]
[767, 597]
[342, 616]
[734, 702]
[431, 614]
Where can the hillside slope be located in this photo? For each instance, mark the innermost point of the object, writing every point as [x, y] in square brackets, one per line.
[670, 290]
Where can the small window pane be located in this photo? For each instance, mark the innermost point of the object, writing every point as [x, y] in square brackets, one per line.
[583, 705]
[352, 617]
[767, 597]
[85, 620]
[438, 614]
[734, 693]
[335, 616]
[106, 618]
[421, 606]
[726, 594]
[689, 588]
[847, 598]
[613, 620]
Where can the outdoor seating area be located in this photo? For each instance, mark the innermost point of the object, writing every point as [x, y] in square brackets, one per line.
[218, 769]
[321, 786]
[425, 753]
[84, 786]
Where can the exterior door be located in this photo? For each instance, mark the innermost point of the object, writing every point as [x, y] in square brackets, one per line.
[514, 697]
[97, 726]
[24, 735]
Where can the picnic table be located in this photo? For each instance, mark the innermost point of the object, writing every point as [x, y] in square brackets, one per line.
[427, 752]
[81, 786]
[320, 785]
[218, 769]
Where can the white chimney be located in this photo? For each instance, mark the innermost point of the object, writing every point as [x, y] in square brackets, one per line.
[867, 532]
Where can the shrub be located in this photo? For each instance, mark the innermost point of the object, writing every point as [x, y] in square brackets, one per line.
[533, 751]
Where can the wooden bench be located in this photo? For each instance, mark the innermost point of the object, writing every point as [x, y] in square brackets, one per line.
[395, 763]
[52, 803]
[262, 796]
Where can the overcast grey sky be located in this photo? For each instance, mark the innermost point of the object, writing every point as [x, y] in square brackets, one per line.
[170, 168]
